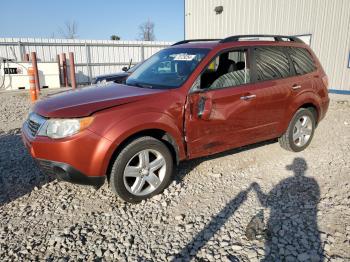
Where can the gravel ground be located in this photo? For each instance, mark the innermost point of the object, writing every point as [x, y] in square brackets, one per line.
[256, 203]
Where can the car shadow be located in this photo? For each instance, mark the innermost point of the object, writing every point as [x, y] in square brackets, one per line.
[19, 174]
[291, 232]
[187, 166]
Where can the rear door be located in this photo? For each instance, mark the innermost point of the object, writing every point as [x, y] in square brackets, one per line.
[305, 72]
[273, 78]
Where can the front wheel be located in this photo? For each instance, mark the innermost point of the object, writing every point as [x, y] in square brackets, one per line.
[142, 169]
[300, 131]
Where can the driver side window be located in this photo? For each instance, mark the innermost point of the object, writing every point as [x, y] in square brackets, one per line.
[226, 70]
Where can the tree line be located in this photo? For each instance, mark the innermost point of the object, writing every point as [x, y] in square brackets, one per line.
[70, 31]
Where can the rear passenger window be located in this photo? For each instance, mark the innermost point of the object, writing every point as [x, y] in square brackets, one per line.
[271, 63]
[302, 61]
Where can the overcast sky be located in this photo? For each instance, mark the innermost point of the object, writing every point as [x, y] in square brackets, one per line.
[95, 19]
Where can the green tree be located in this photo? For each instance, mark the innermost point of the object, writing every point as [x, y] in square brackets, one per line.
[115, 37]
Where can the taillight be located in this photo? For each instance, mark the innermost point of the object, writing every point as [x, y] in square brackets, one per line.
[325, 81]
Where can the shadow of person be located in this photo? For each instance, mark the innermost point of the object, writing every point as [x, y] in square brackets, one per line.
[292, 231]
[19, 174]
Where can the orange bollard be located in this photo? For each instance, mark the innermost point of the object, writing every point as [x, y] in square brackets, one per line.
[32, 88]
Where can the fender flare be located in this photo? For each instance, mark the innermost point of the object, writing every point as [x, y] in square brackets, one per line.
[120, 132]
[304, 98]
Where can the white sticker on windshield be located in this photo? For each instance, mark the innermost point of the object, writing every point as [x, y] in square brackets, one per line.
[184, 57]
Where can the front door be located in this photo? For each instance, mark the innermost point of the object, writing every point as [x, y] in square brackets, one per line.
[220, 109]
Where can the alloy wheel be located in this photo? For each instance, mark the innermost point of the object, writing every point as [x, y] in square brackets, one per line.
[144, 172]
[302, 131]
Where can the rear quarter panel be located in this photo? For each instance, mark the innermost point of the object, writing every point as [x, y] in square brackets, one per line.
[317, 95]
[304, 97]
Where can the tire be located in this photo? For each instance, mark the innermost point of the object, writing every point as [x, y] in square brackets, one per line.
[133, 178]
[304, 119]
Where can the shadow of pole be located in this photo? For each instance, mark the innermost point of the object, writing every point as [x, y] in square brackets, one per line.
[192, 248]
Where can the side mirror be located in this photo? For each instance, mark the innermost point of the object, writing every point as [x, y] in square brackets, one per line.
[125, 69]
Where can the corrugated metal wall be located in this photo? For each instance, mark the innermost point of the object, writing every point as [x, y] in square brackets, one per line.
[92, 57]
[327, 20]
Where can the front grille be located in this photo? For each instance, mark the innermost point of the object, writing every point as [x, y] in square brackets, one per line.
[33, 127]
[34, 123]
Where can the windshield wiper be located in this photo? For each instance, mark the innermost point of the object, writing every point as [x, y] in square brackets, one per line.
[142, 85]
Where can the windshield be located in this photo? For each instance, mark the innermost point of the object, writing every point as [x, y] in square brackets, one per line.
[168, 68]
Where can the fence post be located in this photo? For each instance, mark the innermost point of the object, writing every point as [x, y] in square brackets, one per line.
[59, 68]
[88, 61]
[36, 72]
[26, 57]
[72, 70]
[64, 68]
[142, 52]
[20, 51]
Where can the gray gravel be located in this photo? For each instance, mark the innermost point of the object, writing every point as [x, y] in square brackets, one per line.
[257, 203]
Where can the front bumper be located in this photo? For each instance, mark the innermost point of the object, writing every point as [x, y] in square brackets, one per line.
[81, 158]
[68, 173]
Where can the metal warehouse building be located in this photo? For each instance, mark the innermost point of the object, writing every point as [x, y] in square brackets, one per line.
[324, 24]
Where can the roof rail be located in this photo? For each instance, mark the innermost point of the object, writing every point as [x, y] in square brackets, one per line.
[194, 40]
[276, 37]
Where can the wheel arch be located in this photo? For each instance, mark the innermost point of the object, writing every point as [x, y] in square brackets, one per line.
[304, 100]
[157, 133]
[315, 111]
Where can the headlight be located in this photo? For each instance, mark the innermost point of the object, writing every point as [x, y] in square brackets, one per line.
[60, 128]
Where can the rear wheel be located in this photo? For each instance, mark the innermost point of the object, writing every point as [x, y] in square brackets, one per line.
[142, 169]
[300, 131]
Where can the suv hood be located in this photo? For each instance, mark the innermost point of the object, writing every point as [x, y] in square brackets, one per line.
[88, 100]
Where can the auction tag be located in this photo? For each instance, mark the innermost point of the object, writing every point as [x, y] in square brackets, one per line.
[10, 70]
[184, 57]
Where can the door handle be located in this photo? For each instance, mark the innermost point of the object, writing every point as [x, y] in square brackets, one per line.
[248, 97]
[296, 87]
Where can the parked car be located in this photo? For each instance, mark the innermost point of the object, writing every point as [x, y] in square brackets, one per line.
[116, 77]
[193, 99]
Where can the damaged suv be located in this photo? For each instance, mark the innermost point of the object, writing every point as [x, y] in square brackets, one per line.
[193, 99]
